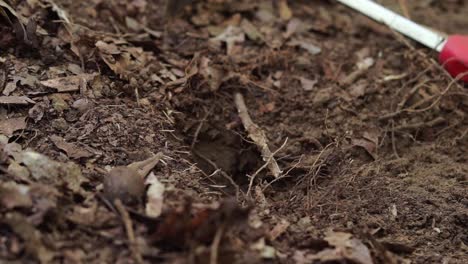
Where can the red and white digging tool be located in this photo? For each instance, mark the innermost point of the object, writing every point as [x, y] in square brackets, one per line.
[453, 50]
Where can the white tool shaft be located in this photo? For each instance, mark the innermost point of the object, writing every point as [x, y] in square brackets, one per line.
[399, 23]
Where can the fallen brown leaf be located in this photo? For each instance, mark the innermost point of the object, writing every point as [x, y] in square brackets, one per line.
[9, 126]
[13, 195]
[16, 100]
[69, 83]
[284, 10]
[32, 237]
[73, 151]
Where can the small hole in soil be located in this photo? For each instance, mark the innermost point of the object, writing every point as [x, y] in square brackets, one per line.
[221, 149]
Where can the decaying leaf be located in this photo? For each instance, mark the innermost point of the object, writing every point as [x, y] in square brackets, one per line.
[9, 8]
[20, 172]
[231, 36]
[12, 149]
[294, 26]
[37, 111]
[252, 32]
[61, 13]
[346, 248]
[69, 83]
[9, 126]
[367, 145]
[307, 85]
[279, 229]
[369, 141]
[94, 215]
[284, 10]
[266, 251]
[306, 45]
[212, 74]
[13, 195]
[154, 196]
[32, 237]
[121, 59]
[108, 48]
[73, 151]
[49, 171]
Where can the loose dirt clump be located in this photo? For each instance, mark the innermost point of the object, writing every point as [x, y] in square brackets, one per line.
[227, 131]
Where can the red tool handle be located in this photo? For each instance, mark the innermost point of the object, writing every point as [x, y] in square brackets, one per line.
[454, 56]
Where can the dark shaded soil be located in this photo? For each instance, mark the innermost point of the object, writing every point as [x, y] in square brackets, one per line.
[378, 153]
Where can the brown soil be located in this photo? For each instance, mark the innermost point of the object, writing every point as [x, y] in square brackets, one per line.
[378, 153]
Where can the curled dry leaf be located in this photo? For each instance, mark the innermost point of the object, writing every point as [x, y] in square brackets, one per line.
[252, 32]
[121, 59]
[231, 36]
[61, 13]
[212, 74]
[307, 84]
[369, 146]
[369, 141]
[69, 83]
[346, 248]
[73, 151]
[294, 26]
[92, 216]
[108, 48]
[37, 111]
[279, 229]
[154, 196]
[9, 8]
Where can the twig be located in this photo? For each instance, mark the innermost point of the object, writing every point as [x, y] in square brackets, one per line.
[197, 132]
[257, 135]
[220, 171]
[394, 147]
[352, 77]
[215, 245]
[252, 178]
[284, 175]
[129, 229]
[410, 94]
[437, 121]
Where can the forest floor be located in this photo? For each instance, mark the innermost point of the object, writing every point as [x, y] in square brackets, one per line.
[228, 132]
